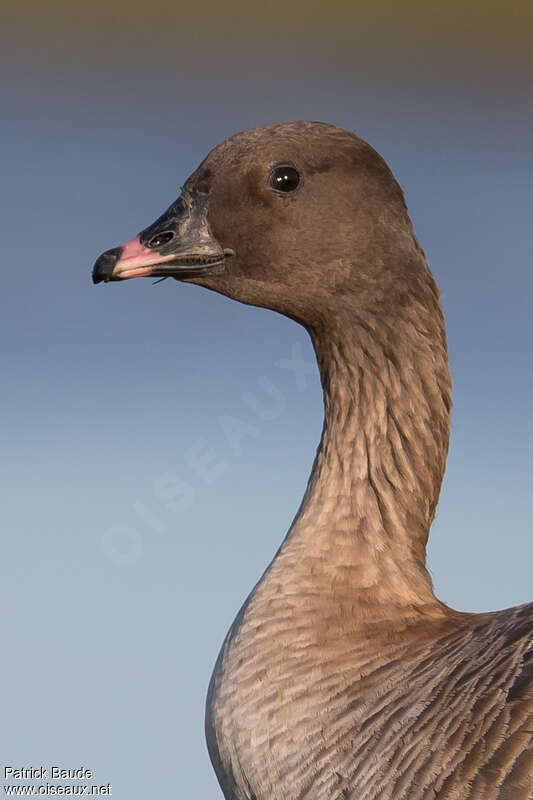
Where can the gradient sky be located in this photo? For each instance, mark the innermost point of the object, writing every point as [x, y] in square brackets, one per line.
[122, 564]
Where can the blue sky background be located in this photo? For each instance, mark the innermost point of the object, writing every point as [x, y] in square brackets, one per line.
[122, 564]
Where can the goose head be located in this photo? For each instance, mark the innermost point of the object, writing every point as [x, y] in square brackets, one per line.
[304, 218]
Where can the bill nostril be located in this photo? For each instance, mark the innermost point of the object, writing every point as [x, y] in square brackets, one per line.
[160, 239]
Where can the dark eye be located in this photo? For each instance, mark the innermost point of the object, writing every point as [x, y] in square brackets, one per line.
[284, 179]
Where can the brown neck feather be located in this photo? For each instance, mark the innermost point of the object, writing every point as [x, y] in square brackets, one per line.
[364, 520]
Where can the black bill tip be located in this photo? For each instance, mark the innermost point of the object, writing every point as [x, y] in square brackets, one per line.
[105, 264]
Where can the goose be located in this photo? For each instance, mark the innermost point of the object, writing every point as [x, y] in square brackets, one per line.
[343, 677]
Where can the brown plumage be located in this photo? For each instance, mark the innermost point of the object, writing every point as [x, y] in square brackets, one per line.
[343, 677]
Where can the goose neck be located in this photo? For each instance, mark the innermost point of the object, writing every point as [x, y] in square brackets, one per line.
[364, 520]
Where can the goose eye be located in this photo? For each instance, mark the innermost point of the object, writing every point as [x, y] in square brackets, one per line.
[284, 179]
